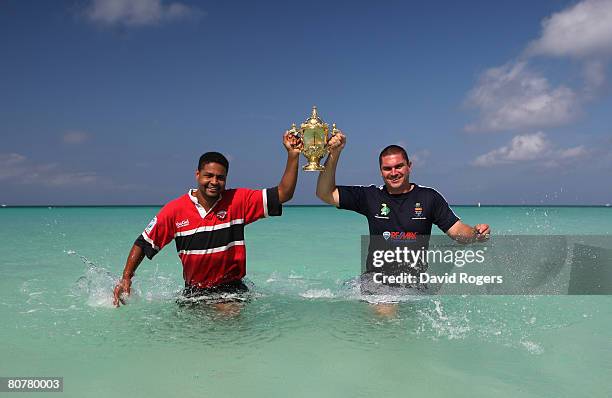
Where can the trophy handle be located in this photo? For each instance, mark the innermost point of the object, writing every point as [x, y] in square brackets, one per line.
[294, 131]
[334, 130]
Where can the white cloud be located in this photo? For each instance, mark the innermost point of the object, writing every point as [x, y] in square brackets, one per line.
[513, 97]
[419, 158]
[528, 148]
[135, 13]
[63, 179]
[75, 137]
[522, 147]
[10, 165]
[17, 168]
[571, 153]
[561, 156]
[582, 30]
[11, 158]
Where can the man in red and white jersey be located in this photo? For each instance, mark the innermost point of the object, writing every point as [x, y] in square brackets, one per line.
[207, 225]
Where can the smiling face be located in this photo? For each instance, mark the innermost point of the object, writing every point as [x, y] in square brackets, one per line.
[211, 180]
[395, 171]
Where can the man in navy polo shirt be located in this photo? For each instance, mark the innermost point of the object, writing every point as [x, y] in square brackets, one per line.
[398, 208]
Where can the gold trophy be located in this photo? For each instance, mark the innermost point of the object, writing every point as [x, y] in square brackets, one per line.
[314, 133]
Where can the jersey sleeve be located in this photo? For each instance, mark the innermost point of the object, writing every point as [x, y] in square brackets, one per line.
[158, 233]
[443, 216]
[352, 198]
[260, 203]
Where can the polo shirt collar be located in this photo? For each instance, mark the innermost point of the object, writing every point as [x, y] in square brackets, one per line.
[199, 207]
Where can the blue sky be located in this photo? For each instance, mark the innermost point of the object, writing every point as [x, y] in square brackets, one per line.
[112, 102]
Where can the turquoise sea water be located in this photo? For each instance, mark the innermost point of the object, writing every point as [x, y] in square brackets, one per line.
[307, 333]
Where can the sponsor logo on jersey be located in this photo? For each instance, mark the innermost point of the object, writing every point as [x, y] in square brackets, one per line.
[399, 235]
[384, 211]
[182, 224]
[149, 227]
[221, 214]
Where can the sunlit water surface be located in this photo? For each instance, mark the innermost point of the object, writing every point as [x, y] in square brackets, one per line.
[305, 332]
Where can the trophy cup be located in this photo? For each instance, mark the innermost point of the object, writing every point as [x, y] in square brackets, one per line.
[314, 134]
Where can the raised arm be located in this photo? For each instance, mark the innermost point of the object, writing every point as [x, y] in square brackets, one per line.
[464, 233]
[123, 286]
[286, 186]
[326, 184]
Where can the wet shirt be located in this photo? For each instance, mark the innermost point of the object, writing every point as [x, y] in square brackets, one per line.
[209, 243]
[400, 219]
[409, 213]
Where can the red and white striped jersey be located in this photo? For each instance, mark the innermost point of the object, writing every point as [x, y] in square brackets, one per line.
[209, 244]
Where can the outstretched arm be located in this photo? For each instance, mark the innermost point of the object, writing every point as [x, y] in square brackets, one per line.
[326, 184]
[123, 286]
[463, 233]
[286, 187]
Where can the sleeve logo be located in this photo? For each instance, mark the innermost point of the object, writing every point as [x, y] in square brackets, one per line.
[149, 227]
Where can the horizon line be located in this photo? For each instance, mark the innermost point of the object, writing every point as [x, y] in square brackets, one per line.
[7, 206]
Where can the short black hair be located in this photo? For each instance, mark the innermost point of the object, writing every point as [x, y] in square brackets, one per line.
[213, 157]
[392, 150]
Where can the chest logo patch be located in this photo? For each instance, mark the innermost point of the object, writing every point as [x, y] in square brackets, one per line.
[182, 224]
[384, 211]
[221, 214]
[418, 210]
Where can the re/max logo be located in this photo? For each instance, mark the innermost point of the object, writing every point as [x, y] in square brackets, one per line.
[397, 235]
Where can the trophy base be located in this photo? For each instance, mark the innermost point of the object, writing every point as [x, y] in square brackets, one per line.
[313, 166]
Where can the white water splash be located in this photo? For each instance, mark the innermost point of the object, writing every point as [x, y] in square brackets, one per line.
[532, 347]
[97, 284]
[317, 293]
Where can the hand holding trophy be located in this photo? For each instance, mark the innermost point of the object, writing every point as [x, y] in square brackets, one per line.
[315, 136]
[336, 143]
[292, 143]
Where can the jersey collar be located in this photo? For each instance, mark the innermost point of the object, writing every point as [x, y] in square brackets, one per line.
[199, 207]
[400, 195]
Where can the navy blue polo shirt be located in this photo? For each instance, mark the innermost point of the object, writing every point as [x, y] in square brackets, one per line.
[395, 215]
[404, 219]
